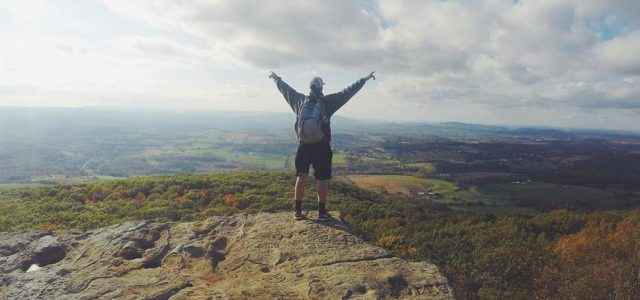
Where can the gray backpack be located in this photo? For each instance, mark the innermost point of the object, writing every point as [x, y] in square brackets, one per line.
[311, 118]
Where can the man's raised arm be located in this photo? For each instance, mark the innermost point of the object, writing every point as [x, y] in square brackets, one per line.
[337, 100]
[292, 96]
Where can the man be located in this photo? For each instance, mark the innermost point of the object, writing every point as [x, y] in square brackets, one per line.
[313, 130]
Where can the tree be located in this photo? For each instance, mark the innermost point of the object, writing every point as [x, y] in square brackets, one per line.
[602, 261]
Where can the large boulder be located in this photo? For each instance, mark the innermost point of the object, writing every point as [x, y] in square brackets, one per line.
[47, 250]
[21, 251]
[263, 256]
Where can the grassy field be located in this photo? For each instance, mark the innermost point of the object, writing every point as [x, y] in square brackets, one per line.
[11, 186]
[403, 184]
[424, 168]
[220, 155]
[269, 162]
[339, 159]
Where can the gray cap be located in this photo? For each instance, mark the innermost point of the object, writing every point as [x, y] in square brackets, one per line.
[317, 82]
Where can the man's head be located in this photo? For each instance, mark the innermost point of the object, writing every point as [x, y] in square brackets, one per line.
[316, 85]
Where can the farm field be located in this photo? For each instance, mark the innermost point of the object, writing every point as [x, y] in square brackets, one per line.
[12, 186]
[422, 167]
[403, 184]
[339, 158]
[436, 190]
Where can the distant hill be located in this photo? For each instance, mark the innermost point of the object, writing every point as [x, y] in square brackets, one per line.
[15, 121]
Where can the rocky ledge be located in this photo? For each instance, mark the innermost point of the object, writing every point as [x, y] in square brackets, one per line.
[263, 256]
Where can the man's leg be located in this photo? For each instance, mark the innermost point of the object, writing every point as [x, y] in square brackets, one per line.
[322, 167]
[322, 186]
[299, 193]
[302, 169]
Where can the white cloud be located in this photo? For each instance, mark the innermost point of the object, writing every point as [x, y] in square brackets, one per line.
[621, 54]
[432, 57]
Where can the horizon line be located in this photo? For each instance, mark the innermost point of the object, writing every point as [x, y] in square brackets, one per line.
[363, 119]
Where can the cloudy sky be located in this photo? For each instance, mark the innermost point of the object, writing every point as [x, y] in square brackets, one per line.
[530, 62]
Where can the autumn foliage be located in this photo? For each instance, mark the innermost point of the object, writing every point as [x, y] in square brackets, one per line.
[602, 261]
[231, 200]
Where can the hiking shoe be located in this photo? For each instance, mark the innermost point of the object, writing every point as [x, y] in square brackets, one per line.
[299, 216]
[323, 216]
[298, 209]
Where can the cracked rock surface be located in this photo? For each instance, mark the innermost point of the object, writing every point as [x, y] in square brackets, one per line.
[263, 256]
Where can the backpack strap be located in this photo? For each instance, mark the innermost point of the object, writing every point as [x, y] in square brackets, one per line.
[325, 120]
[299, 119]
[323, 111]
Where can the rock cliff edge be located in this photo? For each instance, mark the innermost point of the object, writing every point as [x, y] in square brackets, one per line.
[263, 256]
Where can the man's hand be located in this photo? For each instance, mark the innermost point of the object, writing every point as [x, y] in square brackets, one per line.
[372, 75]
[274, 76]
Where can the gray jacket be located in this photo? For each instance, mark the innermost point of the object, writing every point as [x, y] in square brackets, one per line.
[332, 102]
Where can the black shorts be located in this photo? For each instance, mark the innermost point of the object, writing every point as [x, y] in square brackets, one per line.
[319, 155]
